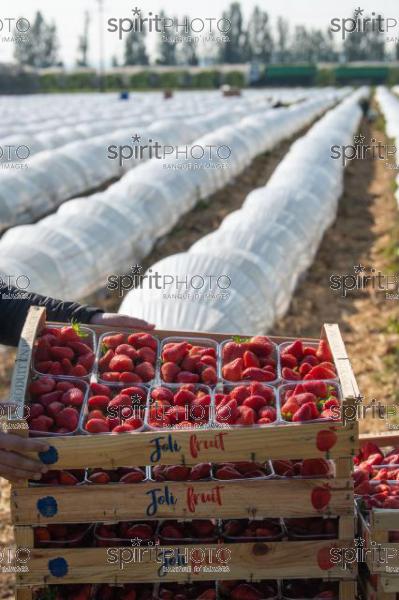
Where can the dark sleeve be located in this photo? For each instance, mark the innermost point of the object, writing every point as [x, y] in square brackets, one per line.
[14, 307]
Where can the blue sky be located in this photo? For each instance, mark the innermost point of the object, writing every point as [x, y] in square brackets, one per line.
[68, 16]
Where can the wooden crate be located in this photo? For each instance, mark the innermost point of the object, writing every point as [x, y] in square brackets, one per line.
[256, 500]
[375, 530]
[378, 587]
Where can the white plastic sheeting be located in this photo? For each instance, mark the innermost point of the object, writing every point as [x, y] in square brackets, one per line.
[55, 175]
[72, 252]
[263, 248]
[389, 105]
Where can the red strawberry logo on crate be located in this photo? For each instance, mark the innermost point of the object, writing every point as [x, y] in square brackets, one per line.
[326, 439]
[214, 496]
[325, 557]
[321, 497]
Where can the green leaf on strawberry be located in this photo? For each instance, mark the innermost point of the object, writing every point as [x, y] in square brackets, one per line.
[104, 349]
[76, 326]
[240, 340]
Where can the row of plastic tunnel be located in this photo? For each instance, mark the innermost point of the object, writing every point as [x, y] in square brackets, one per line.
[101, 144]
[389, 105]
[259, 252]
[72, 253]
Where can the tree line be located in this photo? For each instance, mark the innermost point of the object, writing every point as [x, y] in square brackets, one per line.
[254, 39]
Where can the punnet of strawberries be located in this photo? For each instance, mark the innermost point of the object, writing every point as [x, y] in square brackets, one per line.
[64, 351]
[375, 485]
[63, 536]
[250, 404]
[129, 591]
[310, 400]
[181, 472]
[115, 409]
[265, 529]
[310, 467]
[241, 470]
[311, 528]
[71, 477]
[313, 589]
[184, 406]
[200, 590]
[127, 358]
[125, 533]
[121, 475]
[245, 590]
[172, 532]
[249, 359]
[55, 405]
[302, 361]
[64, 592]
[186, 362]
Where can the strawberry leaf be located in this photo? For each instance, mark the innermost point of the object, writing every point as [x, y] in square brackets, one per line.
[104, 349]
[240, 340]
[76, 326]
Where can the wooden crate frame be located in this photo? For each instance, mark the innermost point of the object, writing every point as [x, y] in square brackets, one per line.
[381, 522]
[216, 446]
[386, 587]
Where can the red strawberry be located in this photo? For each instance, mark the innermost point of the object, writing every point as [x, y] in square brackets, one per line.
[187, 377]
[304, 413]
[320, 497]
[209, 376]
[144, 340]
[98, 402]
[100, 478]
[99, 389]
[227, 413]
[44, 366]
[250, 359]
[208, 360]
[176, 414]
[310, 360]
[320, 372]
[66, 478]
[87, 361]
[323, 352]
[295, 349]
[80, 348]
[184, 397]
[227, 472]
[35, 410]
[203, 528]
[231, 351]
[163, 394]
[175, 352]
[127, 350]
[113, 341]
[177, 473]
[97, 426]
[43, 385]
[68, 418]
[233, 370]
[260, 345]
[241, 392]
[141, 531]
[169, 371]
[256, 374]
[268, 412]
[79, 371]
[54, 408]
[42, 423]
[247, 416]
[256, 402]
[58, 352]
[200, 471]
[147, 354]
[318, 388]
[304, 369]
[171, 531]
[290, 374]
[288, 360]
[245, 591]
[304, 398]
[121, 363]
[104, 361]
[259, 389]
[47, 399]
[73, 397]
[110, 376]
[146, 371]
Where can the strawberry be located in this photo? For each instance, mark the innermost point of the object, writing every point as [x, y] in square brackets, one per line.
[253, 373]
[80, 348]
[87, 361]
[250, 359]
[290, 374]
[140, 531]
[208, 360]
[127, 350]
[97, 426]
[295, 349]
[203, 528]
[247, 416]
[110, 376]
[54, 408]
[68, 418]
[147, 354]
[125, 428]
[309, 360]
[134, 476]
[100, 389]
[58, 352]
[320, 497]
[260, 389]
[323, 352]
[187, 377]
[304, 398]
[171, 531]
[114, 340]
[146, 371]
[136, 392]
[100, 402]
[289, 408]
[304, 413]
[232, 351]
[128, 377]
[304, 369]
[256, 402]
[176, 414]
[144, 340]
[169, 371]
[288, 360]
[227, 472]
[184, 397]
[43, 385]
[47, 399]
[320, 372]
[104, 361]
[177, 473]
[245, 591]
[268, 412]
[233, 370]
[99, 478]
[95, 414]
[42, 423]
[73, 397]
[228, 413]
[318, 388]
[241, 392]
[79, 371]
[120, 400]
[66, 478]
[175, 352]
[35, 410]
[41, 534]
[67, 366]
[44, 366]
[200, 471]
[260, 345]
[70, 333]
[121, 363]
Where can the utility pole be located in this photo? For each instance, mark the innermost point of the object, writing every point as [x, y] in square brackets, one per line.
[101, 32]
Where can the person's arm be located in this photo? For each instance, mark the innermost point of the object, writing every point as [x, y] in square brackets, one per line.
[13, 313]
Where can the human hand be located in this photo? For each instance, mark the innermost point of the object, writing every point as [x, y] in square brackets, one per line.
[13, 465]
[117, 320]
